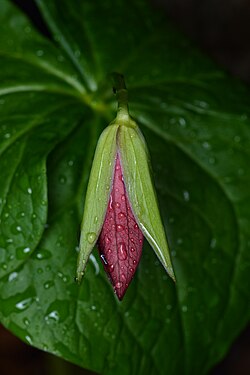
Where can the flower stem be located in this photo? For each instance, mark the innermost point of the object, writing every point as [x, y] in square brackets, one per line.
[121, 92]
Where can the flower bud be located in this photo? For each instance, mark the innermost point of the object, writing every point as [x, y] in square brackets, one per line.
[121, 205]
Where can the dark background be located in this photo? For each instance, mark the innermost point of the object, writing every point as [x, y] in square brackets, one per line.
[221, 28]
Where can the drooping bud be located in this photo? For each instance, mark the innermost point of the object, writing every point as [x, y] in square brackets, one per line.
[121, 205]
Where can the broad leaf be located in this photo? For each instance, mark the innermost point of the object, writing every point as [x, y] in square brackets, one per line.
[55, 99]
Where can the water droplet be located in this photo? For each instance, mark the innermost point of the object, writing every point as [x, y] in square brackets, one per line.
[26, 321]
[53, 315]
[48, 284]
[3, 266]
[22, 252]
[186, 195]
[91, 236]
[213, 243]
[29, 340]
[123, 277]
[169, 307]
[211, 160]
[119, 228]
[118, 285]
[206, 145]
[237, 139]
[107, 240]
[110, 203]
[7, 135]
[117, 205]
[131, 269]
[29, 190]
[18, 228]
[43, 254]
[70, 163]
[136, 226]
[121, 215]
[182, 122]
[12, 276]
[111, 268]
[62, 179]
[184, 308]
[132, 249]
[123, 197]
[95, 219]
[201, 104]
[40, 53]
[122, 252]
[23, 305]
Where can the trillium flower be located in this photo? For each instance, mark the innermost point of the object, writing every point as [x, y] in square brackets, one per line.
[121, 206]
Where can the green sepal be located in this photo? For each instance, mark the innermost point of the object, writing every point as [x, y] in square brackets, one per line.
[138, 181]
[97, 196]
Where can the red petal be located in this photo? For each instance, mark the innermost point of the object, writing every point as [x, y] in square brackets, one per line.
[120, 241]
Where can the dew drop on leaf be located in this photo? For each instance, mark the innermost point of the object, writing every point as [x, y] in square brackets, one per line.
[184, 308]
[48, 284]
[23, 305]
[12, 276]
[52, 316]
[22, 252]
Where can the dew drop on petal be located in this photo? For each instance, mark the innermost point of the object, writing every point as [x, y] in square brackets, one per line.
[111, 268]
[119, 228]
[122, 252]
[123, 277]
[118, 285]
[107, 240]
[121, 215]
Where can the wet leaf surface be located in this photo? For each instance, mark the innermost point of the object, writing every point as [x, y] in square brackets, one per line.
[55, 100]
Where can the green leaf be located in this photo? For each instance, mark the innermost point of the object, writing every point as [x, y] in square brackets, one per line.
[54, 102]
